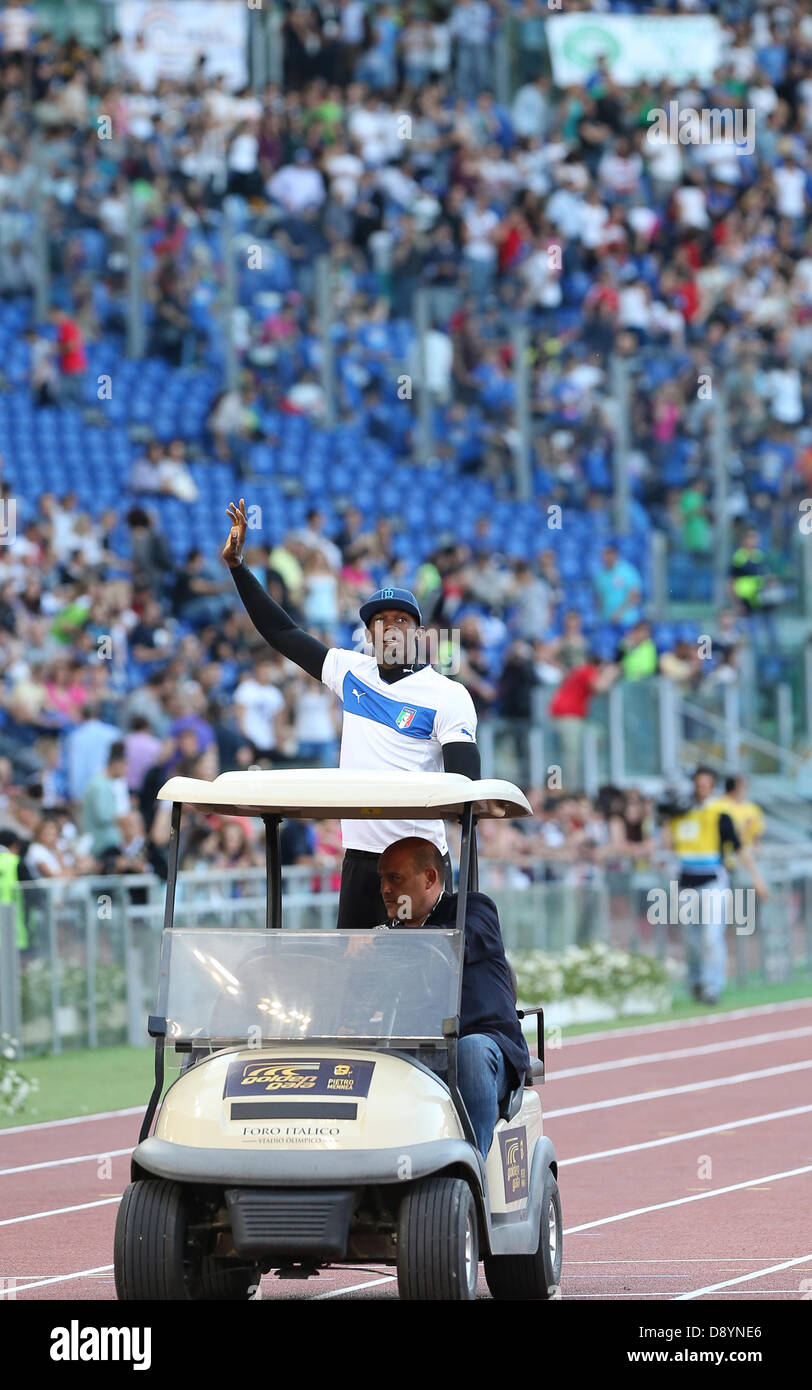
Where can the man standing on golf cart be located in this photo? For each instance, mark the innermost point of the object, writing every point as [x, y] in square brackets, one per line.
[399, 715]
[492, 1056]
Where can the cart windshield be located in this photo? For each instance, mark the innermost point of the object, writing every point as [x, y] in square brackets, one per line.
[258, 986]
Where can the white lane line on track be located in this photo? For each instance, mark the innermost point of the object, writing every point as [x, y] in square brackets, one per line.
[62, 1162]
[640, 1211]
[670, 1296]
[563, 1162]
[706, 1050]
[353, 1288]
[744, 1279]
[686, 1134]
[639, 1030]
[695, 1197]
[738, 1079]
[59, 1279]
[580, 1158]
[59, 1211]
[73, 1120]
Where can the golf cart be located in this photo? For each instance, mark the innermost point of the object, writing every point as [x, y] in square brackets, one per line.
[309, 1125]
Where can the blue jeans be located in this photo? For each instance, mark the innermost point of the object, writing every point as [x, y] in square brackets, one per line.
[705, 941]
[72, 388]
[763, 633]
[483, 1082]
[481, 276]
[473, 69]
[319, 754]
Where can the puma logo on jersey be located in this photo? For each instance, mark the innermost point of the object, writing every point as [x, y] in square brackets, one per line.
[357, 693]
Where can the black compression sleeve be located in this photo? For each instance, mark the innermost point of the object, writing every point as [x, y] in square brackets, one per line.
[728, 834]
[462, 757]
[277, 626]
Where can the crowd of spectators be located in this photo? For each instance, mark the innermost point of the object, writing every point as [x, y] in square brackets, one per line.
[685, 260]
[386, 148]
[120, 671]
[571, 838]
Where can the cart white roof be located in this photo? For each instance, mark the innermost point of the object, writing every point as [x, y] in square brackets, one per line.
[327, 793]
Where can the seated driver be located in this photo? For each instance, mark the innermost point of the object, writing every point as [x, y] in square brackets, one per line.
[492, 1055]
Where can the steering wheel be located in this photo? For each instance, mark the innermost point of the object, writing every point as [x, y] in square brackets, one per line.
[295, 980]
[364, 986]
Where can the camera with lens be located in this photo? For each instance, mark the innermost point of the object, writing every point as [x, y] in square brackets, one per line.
[675, 801]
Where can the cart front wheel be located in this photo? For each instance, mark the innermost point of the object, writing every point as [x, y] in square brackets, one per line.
[225, 1281]
[155, 1259]
[150, 1255]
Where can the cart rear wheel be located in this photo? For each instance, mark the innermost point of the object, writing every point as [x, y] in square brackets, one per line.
[151, 1242]
[224, 1280]
[532, 1276]
[438, 1246]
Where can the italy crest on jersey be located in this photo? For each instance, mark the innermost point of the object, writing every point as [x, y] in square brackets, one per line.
[405, 717]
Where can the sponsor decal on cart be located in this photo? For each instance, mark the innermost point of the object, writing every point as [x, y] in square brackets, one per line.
[513, 1144]
[293, 1076]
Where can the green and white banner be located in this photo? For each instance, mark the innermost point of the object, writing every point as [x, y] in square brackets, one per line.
[637, 48]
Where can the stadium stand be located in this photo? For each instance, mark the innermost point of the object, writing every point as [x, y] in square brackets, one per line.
[682, 261]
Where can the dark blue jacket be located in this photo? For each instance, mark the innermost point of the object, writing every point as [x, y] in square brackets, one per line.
[487, 990]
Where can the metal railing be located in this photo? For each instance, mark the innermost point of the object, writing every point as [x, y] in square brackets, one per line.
[87, 976]
[644, 731]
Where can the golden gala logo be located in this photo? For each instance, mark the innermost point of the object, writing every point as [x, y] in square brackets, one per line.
[281, 1076]
[514, 1164]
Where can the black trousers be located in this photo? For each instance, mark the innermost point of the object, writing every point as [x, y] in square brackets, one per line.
[360, 903]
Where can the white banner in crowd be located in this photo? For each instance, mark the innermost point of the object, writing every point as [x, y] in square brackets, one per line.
[637, 48]
[178, 32]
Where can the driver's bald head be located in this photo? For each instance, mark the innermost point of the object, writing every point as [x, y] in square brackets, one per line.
[416, 853]
[411, 874]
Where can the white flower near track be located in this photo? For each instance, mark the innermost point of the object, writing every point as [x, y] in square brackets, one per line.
[14, 1087]
[598, 971]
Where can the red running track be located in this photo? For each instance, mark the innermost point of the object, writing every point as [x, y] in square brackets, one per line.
[685, 1156]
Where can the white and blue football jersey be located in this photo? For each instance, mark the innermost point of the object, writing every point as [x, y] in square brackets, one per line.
[399, 726]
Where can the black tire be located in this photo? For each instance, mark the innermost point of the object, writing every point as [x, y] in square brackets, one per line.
[438, 1247]
[151, 1241]
[535, 1276]
[224, 1280]
[154, 1259]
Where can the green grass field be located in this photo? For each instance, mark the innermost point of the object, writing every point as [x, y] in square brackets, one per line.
[81, 1082]
[115, 1078]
